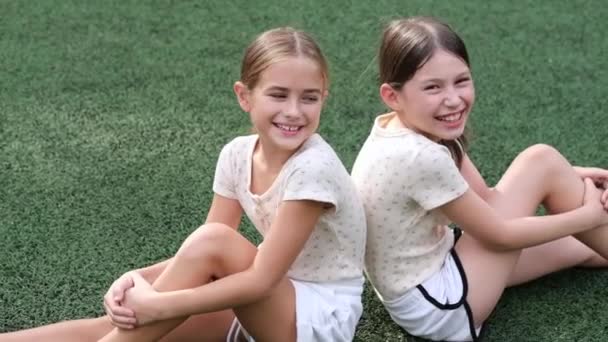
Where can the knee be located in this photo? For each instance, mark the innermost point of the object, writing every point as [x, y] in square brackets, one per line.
[545, 156]
[208, 242]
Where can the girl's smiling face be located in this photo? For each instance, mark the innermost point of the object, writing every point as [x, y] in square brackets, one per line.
[285, 104]
[437, 100]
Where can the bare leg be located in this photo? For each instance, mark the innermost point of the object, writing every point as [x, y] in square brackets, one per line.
[538, 175]
[69, 331]
[93, 329]
[209, 253]
[553, 256]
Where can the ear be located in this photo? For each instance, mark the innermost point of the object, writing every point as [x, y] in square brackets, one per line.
[242, 95]
[325, 94]
[390, 96]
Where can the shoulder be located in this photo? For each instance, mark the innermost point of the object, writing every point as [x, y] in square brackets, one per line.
[432, 155]
[238, 146]
[317, 162]
[399, 150]
[240, 142]
[317, 154]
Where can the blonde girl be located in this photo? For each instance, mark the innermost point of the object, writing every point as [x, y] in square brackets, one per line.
[304, 282]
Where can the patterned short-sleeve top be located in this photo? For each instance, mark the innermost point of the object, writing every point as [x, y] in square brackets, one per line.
[402, 176]
[336, 247]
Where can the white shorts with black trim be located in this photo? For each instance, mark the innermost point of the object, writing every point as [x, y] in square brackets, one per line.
[437, 308]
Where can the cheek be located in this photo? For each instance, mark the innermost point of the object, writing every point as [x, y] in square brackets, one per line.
[426, 105]
[269, 107]
[469, 95]
[314, 110]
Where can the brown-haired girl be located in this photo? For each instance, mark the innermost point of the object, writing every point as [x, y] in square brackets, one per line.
[414, 176]
[304, 282]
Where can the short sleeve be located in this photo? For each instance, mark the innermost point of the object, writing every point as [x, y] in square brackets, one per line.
[223, 181]
[435, 178]
[314, 183]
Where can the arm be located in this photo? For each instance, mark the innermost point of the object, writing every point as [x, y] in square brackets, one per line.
[598, 175]
[289, 232]
[485, 224]
[222, 210]
[474, 179]
[225, 210]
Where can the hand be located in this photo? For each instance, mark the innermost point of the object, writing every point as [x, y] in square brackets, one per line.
[120, 316]
[598, 175]
[141, 299]
[593, 199]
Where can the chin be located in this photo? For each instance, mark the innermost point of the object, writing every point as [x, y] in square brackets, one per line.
[455, 136]
[291, 145]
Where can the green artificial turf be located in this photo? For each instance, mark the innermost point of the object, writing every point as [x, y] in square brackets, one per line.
[112, 115]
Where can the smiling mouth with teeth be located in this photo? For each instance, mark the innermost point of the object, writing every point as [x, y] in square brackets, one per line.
[451, 117]
[287, 127]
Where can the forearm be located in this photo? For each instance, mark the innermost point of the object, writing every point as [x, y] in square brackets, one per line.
[150, 273]
[532, 231]
[232, 291]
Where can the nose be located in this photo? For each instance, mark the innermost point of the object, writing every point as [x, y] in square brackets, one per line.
[292, 108]
[452, 98]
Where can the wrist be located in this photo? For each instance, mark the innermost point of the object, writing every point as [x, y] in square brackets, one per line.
[159, 306]
[166, 305]
[591, 215]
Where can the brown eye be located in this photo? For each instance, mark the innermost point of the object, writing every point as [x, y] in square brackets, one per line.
[311, 99]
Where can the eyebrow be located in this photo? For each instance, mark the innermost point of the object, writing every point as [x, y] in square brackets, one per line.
[462, 74]
[275, 88]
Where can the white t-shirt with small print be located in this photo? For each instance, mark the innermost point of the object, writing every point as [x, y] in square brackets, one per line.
[402, 176]
[335, 249]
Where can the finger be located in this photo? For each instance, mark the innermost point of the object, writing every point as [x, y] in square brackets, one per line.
[108, 305]
[123, 311]
[114, 308]
[137, 278]
[119, 291]
[590, 191]
[128, 327]
[119, 320]
[123, 321]
[589, 184]
[123, 326]
[106, 308]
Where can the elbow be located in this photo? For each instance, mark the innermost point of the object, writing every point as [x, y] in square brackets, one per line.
[488, 194]
[263, 286]
[504, 241]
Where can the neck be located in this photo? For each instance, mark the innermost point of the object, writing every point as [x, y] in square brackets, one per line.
[271, 158]
[398, 121]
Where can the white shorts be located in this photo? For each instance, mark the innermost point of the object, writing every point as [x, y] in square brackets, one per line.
[326, 311]
[437, 308]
